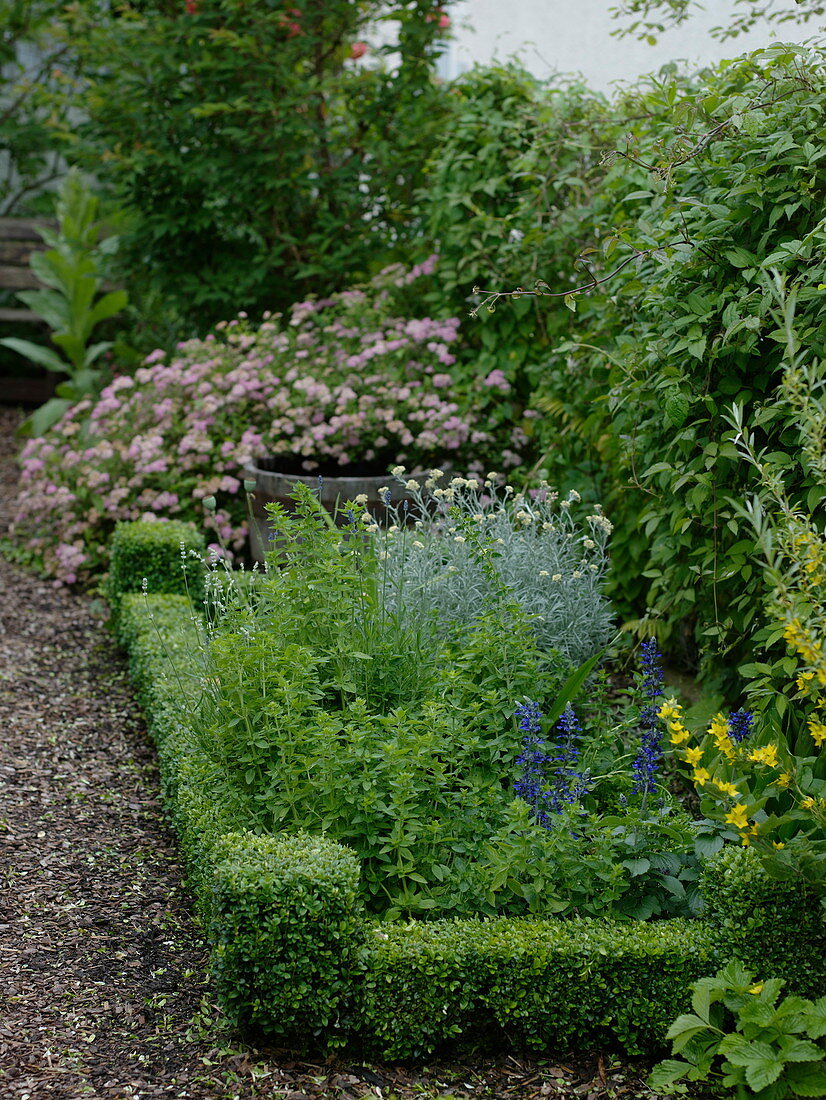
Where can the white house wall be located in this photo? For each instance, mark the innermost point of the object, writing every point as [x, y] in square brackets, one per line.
[574, 36]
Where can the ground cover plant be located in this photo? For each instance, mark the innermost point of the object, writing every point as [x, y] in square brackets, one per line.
[347, 382]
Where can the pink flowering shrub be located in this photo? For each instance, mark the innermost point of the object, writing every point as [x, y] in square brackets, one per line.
[337, 385]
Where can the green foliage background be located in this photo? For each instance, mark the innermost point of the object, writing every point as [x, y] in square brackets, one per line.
[698, 189]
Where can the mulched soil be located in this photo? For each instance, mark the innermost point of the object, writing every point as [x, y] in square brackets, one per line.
[103, 968]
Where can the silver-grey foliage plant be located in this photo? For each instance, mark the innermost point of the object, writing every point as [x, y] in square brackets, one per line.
[449, 551]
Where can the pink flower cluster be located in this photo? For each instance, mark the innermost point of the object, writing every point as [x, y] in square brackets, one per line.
[335, 383]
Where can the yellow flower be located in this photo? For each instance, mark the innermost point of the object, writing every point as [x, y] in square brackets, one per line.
[738, 816]
[701, 776]
[783, 780]
[719, 726]
[818, 731]
[804, 681]
[779, 844]
[726, 788]
[767, 754]
[808, 803]
[755, 989]
[679, 733]
[693, 756]
[670, 709]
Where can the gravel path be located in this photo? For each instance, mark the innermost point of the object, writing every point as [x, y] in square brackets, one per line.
[103, 980]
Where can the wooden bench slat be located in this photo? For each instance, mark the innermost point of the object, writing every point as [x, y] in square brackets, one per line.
[18, 278]
[14, 316]
[24, 229]
[17, 253]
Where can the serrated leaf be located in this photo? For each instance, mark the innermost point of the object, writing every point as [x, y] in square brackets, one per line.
[684, 1028]
[763, 1072]
[800, 1050]
[701, 1000]
[666, 1073]
[808, 1079]
[816, 1019]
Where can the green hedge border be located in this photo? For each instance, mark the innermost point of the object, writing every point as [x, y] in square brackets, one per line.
[295, 955]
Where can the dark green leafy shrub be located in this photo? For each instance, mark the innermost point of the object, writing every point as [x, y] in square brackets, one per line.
[287, 926]
[162, 557]
[772, 927]
[166, 666]
[540, 984]
[735, 190]
[259, 160]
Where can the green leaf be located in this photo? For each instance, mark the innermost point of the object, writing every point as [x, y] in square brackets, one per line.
[701, 1000]
[637, 866]
[682, 1029]
[108, 306]
[816, 1019]
[43, 418]
[800, 1050]
[572, 686]
[677, 405]
[44, 357]
[665, 1073]
[808, 1079]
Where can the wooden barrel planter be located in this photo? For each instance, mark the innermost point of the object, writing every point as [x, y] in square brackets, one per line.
[273, 486]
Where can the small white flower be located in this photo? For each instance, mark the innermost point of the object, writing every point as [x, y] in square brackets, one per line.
[457, 482]
[383, 556]
[576, 574]
[544, 573]
[564, 504]
[361, 499]
[382, 490]
[593, 568]
[546, 526]
[412, 485]
[472, 483]
[372, 529]
[436, 474]
[525, 518]
[574, 495]
[500, 542]
[366, 518]
[589, 544]
[418, 545]
[392, 530]
[459, 538]
[557, 577]
[492, 476]
[398, 471]
[478, 518]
